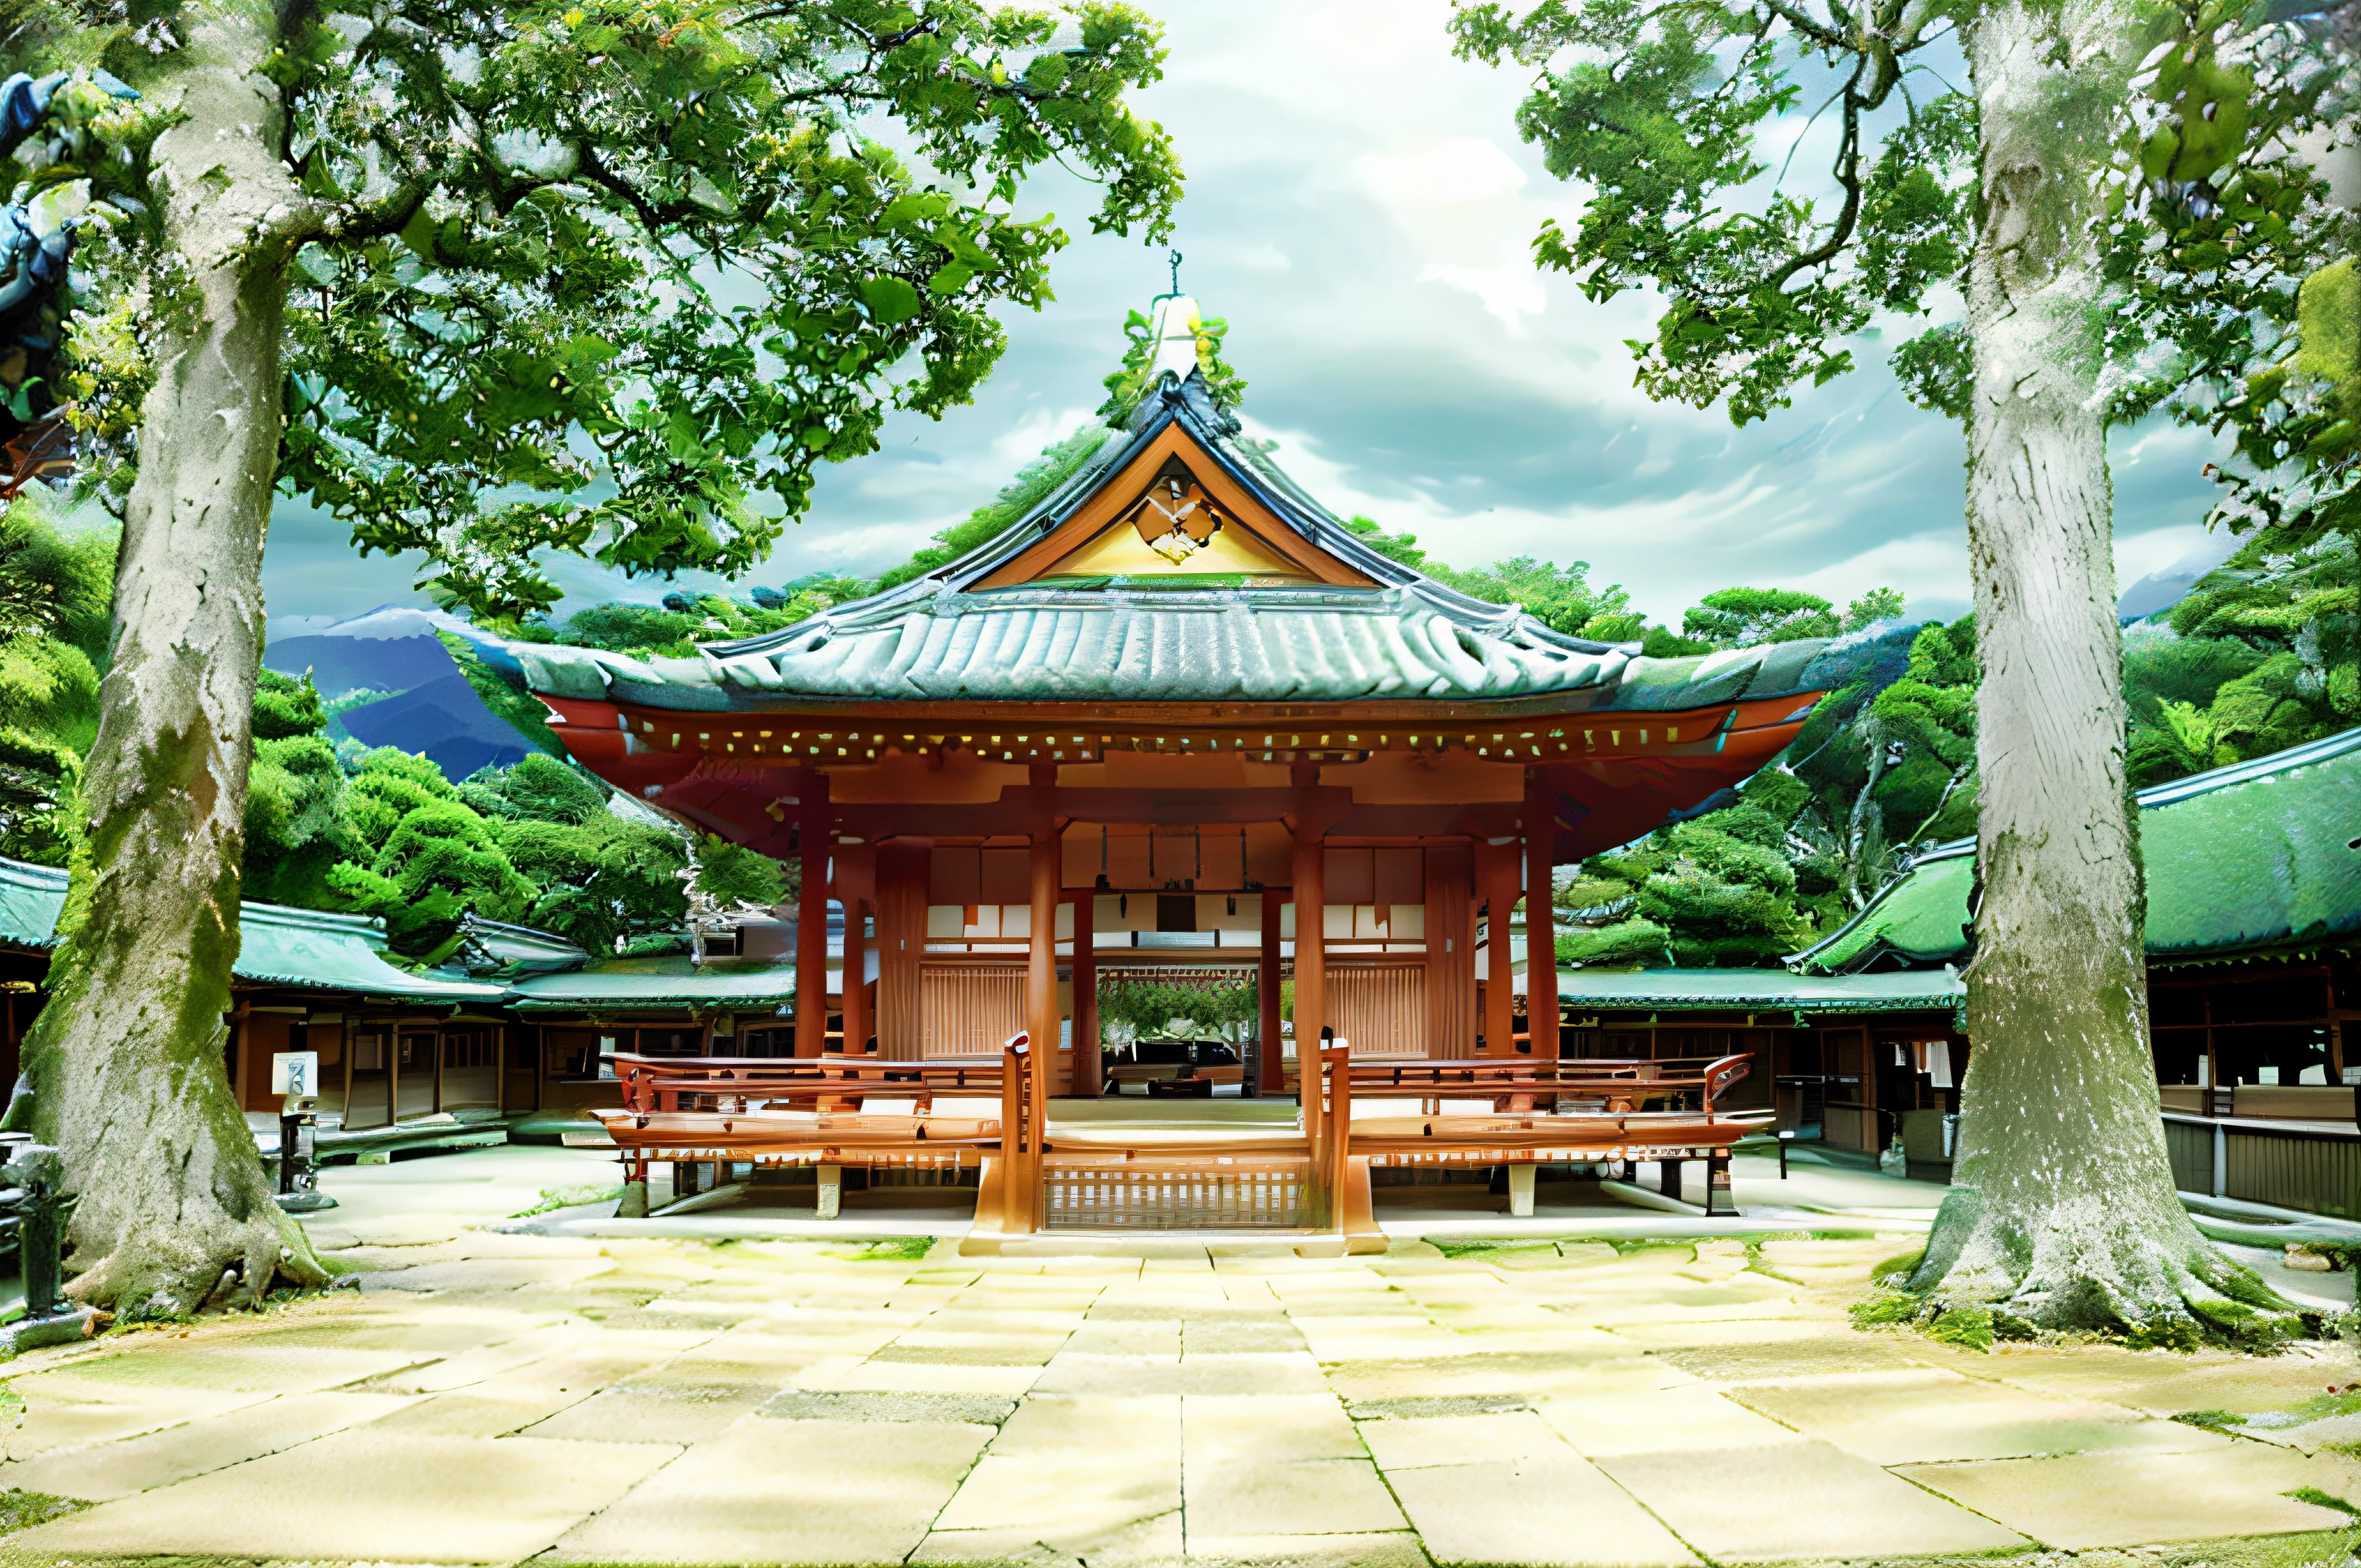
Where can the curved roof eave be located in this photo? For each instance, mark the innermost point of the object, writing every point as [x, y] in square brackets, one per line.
[2278, 930]
[1188, 404]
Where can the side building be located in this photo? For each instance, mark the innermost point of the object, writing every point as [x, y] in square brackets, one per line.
[2253, 941]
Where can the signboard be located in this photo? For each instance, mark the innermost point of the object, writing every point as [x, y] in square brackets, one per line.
[295, 1073]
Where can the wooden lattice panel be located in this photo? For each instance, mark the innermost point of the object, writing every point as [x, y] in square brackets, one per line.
[1380, 1007]
[969, 1010]
[1129, 1198]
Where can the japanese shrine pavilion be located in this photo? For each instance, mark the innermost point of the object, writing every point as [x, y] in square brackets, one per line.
[1175, 714]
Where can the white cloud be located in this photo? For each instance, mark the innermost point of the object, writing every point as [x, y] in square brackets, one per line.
[1510, 291]
[1040, 427]
[1465, 169]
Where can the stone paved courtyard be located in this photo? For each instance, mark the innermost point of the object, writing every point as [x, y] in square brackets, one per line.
[489, 1397]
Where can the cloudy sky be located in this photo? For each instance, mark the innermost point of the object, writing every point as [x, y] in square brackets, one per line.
[1359, 210]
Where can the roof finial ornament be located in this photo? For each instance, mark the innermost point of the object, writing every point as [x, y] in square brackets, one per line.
[1175, 273]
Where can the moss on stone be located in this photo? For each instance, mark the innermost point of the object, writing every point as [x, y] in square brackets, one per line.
[1969, 1326]
[23, 1510]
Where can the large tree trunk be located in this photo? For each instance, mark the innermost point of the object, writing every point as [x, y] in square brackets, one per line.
[126, 1060]
[2062, 1213]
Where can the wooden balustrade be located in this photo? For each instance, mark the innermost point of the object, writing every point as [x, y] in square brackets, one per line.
[687, 1083]
[728, 1110]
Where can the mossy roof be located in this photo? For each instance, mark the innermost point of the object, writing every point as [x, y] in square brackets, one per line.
[277, 945]
[1759, 990]
[942, 637]
[671, 982]
[2256, 860]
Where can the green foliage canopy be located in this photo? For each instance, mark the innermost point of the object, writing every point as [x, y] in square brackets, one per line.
[612, 278]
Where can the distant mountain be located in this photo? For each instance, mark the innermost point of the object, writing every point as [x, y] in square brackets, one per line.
[340, 664]
[393, 648]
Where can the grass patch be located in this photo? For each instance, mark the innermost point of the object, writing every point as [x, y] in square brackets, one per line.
[883, 1249]
[2319, 1499]
[571, 1197]
[1970, 1327]
[1481, 1248]
[2216, 1420]
[23, 1510]
[2320, 1407]
[1901, 1265]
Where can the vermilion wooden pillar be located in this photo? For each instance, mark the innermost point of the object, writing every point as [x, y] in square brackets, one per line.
[856, 885]
[1310, 958]
[1271, 1076]
[1541, 922]
[811, 915]
[1499, 871]
[1041, 955]
[901, 870]
[1086, 992]
[1450, 952]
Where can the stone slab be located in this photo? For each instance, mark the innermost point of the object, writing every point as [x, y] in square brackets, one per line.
[1693, 1417]
[877, 1377]
[1797, 1500]
[62, 1415]
[205, 1363]
[1146, 1543]
[477, 1274]
[675, 1414]
[789, 1492]
[1276, 1372]
[1922, 1416]
[1785, 1360]
[1235, 1496]
[1273, 1428]
[102, 1472]
[520, 1398]
[1421, 1441]
[1398, 1549]
[1550, 1511]
[411, 1499]
[2083, 1501]
[1532, 1376]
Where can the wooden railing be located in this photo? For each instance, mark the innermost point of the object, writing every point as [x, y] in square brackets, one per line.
[704, 1083]
[728, 1110]
[1617, 1084]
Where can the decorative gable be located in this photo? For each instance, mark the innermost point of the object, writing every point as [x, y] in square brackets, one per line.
[1174, 513]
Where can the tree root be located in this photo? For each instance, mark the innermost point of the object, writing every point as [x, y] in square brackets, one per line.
[152, 1273]
[2084, 1274]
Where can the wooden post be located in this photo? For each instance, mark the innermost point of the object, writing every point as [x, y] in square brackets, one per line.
[811, 919]
[903, 866]
[1086, 992]
[1271, 1073]
[1496, 871]
[853, 982]
[1041, 954]
[1311, 961]
[1450, 952]
[1540, 923]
